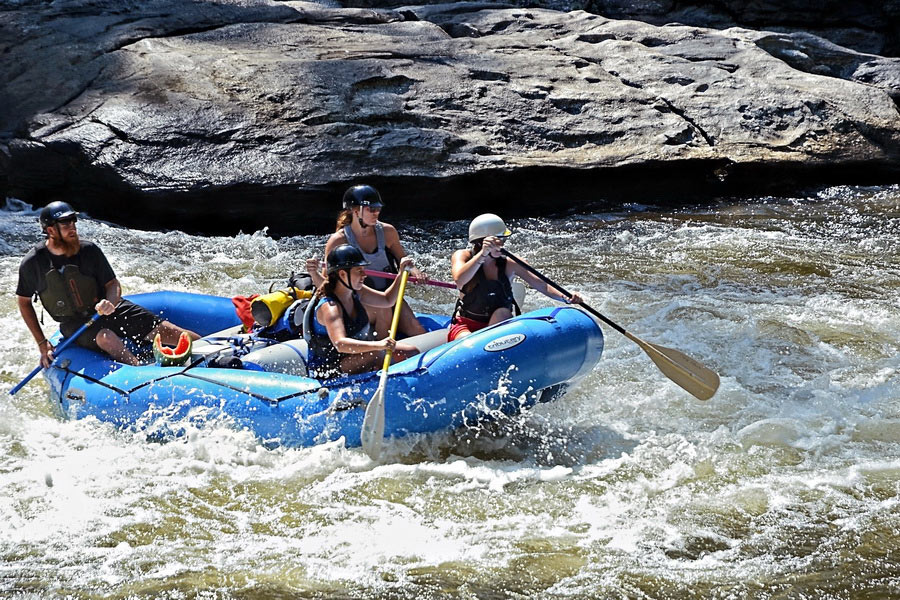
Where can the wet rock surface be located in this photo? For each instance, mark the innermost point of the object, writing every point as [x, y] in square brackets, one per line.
[240, 115]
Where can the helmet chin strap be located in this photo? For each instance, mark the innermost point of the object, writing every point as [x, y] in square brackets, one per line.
[341, 280]
[359, 218]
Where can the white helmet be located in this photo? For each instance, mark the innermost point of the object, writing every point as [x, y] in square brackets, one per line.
[486, 225]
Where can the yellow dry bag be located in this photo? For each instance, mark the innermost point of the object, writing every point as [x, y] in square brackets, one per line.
[266, 309]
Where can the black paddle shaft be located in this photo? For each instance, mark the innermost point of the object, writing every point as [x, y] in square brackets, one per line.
[549, 281]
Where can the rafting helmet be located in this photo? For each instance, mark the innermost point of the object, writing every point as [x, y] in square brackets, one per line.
[486, 225]
[362, 195]
[55, 212]
[344, 258]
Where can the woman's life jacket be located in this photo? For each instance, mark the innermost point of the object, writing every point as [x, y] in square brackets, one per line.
[324, 358]
[480, 297]
[380, 260]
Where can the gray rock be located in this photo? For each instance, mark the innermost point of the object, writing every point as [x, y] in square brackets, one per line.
[252, 114]
[871, 26]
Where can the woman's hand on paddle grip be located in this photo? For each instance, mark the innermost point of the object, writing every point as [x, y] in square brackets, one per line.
[388, 343]
[491, 246]
[313, 266]
[406, 264]
[46, 349]
[417, 275]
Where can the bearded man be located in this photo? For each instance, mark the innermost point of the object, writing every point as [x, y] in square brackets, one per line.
[73, 279]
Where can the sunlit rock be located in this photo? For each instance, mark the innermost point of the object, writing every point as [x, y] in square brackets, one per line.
[249, 114]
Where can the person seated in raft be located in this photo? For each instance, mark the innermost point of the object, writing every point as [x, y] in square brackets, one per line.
[379, 243]
[482, 275]
[73, 279]
[338, 324]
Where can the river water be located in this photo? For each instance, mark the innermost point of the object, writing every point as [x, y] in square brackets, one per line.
[786, 484]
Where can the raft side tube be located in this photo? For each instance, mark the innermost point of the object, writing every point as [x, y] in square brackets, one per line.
[198, 312]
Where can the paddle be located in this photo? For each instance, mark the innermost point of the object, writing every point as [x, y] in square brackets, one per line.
[433, 282]
[373, 423]
[56, 351]
[695, 378]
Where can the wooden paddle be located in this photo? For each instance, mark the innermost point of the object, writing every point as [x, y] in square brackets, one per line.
[56, 351]
[373, 423]
[695, 378]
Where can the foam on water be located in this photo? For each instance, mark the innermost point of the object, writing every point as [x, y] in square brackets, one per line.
[786, 482]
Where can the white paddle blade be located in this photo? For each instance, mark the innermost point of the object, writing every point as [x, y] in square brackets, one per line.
[373, 425]
[372, 433]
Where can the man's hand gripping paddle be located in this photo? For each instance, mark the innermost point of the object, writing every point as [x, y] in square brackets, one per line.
[56, 352]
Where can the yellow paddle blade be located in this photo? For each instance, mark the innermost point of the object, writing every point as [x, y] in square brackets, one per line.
[698, 380]
[680, 368]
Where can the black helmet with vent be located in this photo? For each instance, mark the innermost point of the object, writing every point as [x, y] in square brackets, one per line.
[344, 258]
[362, 195]
[55, 212]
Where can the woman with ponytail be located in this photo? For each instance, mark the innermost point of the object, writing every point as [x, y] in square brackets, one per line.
[379, 243]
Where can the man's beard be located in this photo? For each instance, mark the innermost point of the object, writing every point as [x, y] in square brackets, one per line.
[70, 247]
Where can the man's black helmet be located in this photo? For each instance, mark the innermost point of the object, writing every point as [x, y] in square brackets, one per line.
[362, 195]
[345, 257]
[56, 211]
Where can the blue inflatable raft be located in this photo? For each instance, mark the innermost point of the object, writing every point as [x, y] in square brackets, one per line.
[501, 369]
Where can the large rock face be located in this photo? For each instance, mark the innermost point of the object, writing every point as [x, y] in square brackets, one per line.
[871, 26]
[217, 116]
[866, 25]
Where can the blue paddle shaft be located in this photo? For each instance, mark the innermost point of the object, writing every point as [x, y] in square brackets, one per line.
[56, 351]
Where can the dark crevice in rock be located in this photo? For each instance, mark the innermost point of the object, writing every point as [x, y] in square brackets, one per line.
[595, 38]
[305, 209]
[397, 84]
[679, 112]
[572, 106]
[489, 76]
[182, 139]
[121, 135]
[564, 139]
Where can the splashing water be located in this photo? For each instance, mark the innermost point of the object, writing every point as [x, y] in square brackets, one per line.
[785, 484]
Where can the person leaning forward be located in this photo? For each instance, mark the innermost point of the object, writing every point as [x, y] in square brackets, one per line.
[73, 279]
